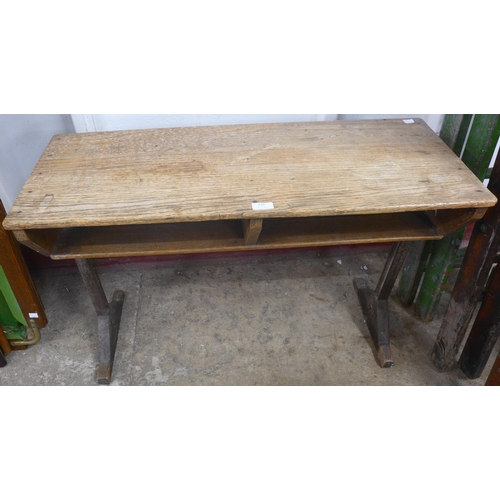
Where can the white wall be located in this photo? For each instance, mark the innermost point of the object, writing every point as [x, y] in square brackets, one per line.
[23, 139]
[92, 123]
[434, 121]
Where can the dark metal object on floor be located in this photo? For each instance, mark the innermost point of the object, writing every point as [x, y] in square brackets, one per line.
[108, 318]
[374, 303]
[33, 336]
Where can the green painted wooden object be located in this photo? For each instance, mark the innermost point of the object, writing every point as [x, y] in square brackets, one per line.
[413, 270]
[477, 155]
[11, 316]
[454, 131]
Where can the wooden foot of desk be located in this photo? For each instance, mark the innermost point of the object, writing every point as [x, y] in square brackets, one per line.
[108, 318]
[374, 303]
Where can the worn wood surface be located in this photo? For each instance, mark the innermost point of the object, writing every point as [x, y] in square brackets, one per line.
[17, 273]
[251, 230]
[212, 173]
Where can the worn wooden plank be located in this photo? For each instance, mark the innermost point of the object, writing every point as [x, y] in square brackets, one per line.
[471, 280]
[485, 330]
[213, 173]
[251, 230]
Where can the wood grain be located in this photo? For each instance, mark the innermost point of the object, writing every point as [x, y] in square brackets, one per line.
[251, 230]
[42, 242]
[448, 221]
[220, 236]
[216, 173]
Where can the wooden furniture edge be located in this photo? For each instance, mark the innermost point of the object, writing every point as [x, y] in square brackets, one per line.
[43, 241]
[236, 235]
[448, 221]
[244, 234]
[19, 277]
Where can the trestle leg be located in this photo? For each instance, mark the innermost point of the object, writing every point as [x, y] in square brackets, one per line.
[374, 303]
[108, 318]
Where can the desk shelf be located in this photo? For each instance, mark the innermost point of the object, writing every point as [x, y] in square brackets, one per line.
[219, 236]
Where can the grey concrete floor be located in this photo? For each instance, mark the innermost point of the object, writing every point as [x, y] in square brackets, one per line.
[273, 319]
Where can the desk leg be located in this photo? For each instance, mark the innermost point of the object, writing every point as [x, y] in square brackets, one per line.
[108, 318]
[374, 303]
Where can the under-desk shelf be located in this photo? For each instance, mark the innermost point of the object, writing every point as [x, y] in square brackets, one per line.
[219, 236]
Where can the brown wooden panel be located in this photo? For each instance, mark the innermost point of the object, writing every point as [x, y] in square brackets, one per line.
[347, 230]
[449, 221]
[220, 236]
[42, 241]
[251, 230]
[151, 239]
[17, 274]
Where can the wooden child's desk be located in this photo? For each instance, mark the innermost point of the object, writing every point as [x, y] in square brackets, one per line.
[241, 187]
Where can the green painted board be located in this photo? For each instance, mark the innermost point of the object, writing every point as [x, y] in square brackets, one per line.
[10, 312]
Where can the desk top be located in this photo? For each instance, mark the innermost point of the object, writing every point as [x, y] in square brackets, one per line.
[212, 173]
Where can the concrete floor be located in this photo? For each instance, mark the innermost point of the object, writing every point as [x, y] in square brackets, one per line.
[287, 318]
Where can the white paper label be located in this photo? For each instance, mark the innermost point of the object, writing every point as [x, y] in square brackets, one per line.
[409, 121]
[263, 206]
[33, 315]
